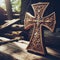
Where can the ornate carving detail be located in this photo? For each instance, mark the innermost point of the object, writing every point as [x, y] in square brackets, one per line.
[36, 43]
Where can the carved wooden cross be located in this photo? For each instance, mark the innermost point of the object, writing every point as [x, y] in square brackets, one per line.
[36, 43]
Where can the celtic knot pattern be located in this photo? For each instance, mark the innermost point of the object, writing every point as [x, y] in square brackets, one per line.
[36, 43]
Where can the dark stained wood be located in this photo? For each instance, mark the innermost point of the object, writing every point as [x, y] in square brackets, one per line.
[8, 23]
[9, 9]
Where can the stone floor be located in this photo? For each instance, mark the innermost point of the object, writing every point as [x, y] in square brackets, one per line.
[18, 51]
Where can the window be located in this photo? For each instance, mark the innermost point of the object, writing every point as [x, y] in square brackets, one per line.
[16, 4]
[2, 4]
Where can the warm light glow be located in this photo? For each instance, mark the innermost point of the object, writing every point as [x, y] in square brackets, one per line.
[2, 4]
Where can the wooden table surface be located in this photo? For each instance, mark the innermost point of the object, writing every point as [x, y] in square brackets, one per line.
[8, 23]
[18, 51]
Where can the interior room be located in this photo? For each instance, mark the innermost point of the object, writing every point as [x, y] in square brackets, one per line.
[29, 30]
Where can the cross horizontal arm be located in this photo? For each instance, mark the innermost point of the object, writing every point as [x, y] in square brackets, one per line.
[41, 21]
[51, 21]
[28, 20]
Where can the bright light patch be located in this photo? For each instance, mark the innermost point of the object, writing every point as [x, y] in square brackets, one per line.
[2, 4]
